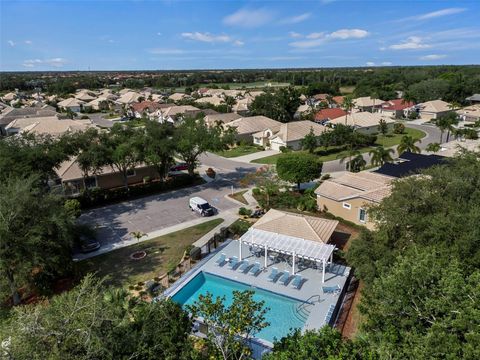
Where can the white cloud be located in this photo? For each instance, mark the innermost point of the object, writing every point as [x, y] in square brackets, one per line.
[248, 18]
[370, 63]
[318, 38]
[28, 42]
[11, 43]
[206, 37]
[159, 33]
[295, 35]
[432, 57]
[238, 43]
[54, 62]
[411, 43]
[349, 34]
[296, 19]
[439, 13]
[387, 63]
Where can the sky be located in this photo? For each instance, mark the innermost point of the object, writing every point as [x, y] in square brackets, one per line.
[177, 35]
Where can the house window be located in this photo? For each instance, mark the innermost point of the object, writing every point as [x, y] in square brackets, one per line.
[131, 172]
[346, 206]
[91, 182]
[362, 215]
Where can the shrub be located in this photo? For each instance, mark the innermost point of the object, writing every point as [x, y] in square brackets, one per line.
[285, 149]
[412, 115]
[73, 207]
[398, 128]
[131, 287]
[244, 211]
[85, 117]
[188, 249]
[239, 227]
[256, 191]
[326, 177]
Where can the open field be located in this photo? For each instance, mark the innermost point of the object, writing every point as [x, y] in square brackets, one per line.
[163, 253]
[385, 141]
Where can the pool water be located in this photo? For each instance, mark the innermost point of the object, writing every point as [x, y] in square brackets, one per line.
[282, 315]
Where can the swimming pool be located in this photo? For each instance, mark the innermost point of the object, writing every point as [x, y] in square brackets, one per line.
[282, 315]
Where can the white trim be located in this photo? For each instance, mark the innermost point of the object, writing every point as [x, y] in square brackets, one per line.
[360, 218]
[346, 205]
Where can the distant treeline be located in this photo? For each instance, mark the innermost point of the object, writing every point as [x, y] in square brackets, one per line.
[422, 83]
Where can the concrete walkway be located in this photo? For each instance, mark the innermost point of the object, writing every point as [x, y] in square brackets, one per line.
[258, 155]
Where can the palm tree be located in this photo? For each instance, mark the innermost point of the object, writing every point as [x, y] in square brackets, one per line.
[446, 123]
[433, 147]
[407, 144]
[380, 156]
[347, 106]
[230, 101]
[351, 153]
[138, 235]
[356, 163]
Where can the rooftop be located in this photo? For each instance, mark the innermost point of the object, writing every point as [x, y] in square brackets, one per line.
[253, 124]
[329, 114]
[410, 163]
[296, 130]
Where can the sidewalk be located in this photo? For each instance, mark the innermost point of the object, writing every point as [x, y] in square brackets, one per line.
[258, 155]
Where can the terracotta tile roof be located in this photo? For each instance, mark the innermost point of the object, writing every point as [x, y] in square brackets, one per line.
[338, 99]
[397, 104]
[329, 114]
[296, 225]
[320, 96]
[151, 106]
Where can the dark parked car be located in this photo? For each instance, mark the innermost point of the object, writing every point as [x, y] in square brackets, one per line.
[179, 167]
[88, 244]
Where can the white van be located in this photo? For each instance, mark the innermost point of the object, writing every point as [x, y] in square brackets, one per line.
[201, 206]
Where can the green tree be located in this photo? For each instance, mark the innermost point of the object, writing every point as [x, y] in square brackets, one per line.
[230, 101]
[356, 162]
[230, 327]
[159, 147]
[298, 168]
[408, 144]
[446, 123]
[309, 142]
[265, 179]
[193, 138]
[382, 127]
[433, 147]
[280, 105]
[422, 308]
[347, 105]
[380, 156]
[35, 234]
[323, 344]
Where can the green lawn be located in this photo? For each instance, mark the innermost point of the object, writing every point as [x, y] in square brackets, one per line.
[386, 141]
[163, 253]
[239, 151]
[239, 196]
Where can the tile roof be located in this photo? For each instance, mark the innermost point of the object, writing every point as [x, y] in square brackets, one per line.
[435, 106]
[367, 101]
[296, 225]
[151, 106]
[397, 104]
[70, 102]
[223, 118]
[329, 114]
[338, 99]
[296, 130]
[362, 119]
[254, 124]
[48, 125]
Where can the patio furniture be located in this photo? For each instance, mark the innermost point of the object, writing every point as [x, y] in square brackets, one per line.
[297, 281]
[232, 262]
[245, 264]
[285, 278]
[331, 289]
[274, 275]
[255, 270]
[328, 316]
[221, 260]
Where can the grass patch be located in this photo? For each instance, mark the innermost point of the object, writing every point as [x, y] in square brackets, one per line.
[239, 196]
[385, 141]
[239, 151]
[163, 253]
[347, 89]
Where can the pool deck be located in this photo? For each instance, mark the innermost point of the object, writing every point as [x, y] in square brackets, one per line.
[317, 303]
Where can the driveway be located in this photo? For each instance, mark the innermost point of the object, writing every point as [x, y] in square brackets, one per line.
[116, 222]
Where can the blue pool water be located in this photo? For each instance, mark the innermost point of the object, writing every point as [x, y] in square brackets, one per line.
[282, 315]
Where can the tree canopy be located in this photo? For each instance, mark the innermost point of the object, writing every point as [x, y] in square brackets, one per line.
[299, 167]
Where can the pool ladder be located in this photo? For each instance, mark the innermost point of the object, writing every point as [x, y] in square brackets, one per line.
[302, 311]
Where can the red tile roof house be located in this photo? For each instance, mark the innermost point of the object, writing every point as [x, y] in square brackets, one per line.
[329, 114]
[149, 108]
[396, 108]
[338, 101]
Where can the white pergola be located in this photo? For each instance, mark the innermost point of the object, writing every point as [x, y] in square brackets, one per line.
[290, 245]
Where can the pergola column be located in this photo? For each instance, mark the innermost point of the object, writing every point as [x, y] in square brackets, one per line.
[331, 258]
[266, 254]
[323, 271]
[293, 264]
[240, 249]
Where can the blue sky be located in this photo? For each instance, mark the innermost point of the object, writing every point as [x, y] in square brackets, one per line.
[162, 35]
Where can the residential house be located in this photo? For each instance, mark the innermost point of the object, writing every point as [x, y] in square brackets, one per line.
[174, 113]
[177, 96]
[302, 110]
[242, 106]
[99, 104]
[326, 115]
[349, 195]
[337, 101]
[10, 113]
[291, 134]
[150, 109]
[50, 125]
[397, 108]
[315, 100]
[474, 99]
[223, 118]
[129, 97]
[367, 103]
[364, 122]
[73, 181]
[410, 163]
[71, 104]
[470, 113]
[213, 100]
[453, 148]
[9, 97]
[85, 96]
[247, 126]
[432, 110]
